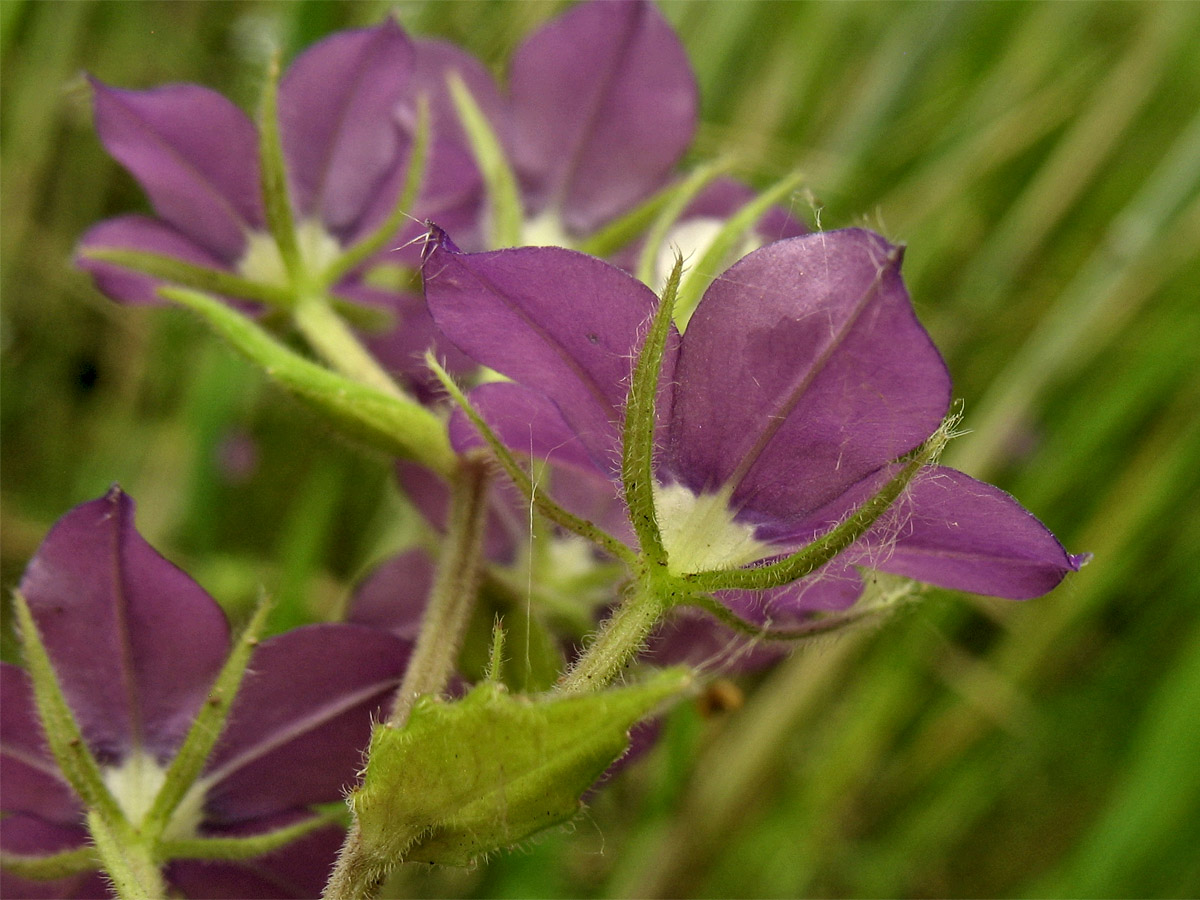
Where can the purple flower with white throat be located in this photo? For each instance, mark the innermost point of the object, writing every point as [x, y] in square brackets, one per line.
[136, 647]
[342, 126]
[802, 379]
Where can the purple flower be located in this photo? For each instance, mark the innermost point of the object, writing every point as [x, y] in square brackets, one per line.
[136, 646]
[802, 376]
[342, 119]
[601, 106]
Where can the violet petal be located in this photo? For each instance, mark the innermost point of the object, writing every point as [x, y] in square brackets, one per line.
[803, 369]
[135, 643]
[604, 103]
[302, 719]
[194, 153]
[393, 595]
[146, 236]
[336, 106]
[29, 777]
[563, 323]
[953, 531]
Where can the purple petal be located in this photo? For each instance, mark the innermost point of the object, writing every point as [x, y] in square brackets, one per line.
[32, 836]
[147, 236]
[194, 153]
[393, 595]
[298, 869]
[803, 369]
[604, 103]
[135, 643]
[435, 60]
[29, 778]
[563, 323]
[337, 107]
[953, 531]
[302, 719]
[526, 421]
[693, 638]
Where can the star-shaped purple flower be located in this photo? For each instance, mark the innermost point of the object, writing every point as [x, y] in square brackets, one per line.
[343, 118]
[136, 646]
[802, 377]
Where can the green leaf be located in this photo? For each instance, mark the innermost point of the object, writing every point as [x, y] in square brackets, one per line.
[395, 425]
[461, 780]
[213, 281]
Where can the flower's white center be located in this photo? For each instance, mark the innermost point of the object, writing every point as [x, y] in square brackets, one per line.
[263, 263]
[545, 230]
[692, 238]
[136, 782]
[699, 532]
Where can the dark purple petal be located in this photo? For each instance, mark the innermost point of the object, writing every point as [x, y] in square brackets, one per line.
[563, 323]
[803, 369]
[604, 106]
[302, 719]
[147, 236]
[28, 835]
[953, 531]
[194, 153]
[135, 643]
[337, 118]
[393, 595]
[690, 637]
[530, 424]
[298, 869]
[29, 778]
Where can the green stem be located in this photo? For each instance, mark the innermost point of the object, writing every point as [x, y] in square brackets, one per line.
[452, 597]
[357, 875]
[327, 333]
[276, 202]
[130, 865]
[621, 636]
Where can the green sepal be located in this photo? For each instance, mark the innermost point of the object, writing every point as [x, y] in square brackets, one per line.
[716, 255]
[530, 659]
[810, 558]
[413, 176]
[63, 737]
[681, 195]
[638, 429]
[53, 865]
[202, 278]
[189, 761]
[277, 204]
[463, 779]
[520, 478]
[244, 847]
[397, 426]
[504, 199]
[665, 206]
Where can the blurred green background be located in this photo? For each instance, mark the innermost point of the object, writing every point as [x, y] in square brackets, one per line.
[1042, 162]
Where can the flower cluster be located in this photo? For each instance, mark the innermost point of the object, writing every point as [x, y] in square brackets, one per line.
[759, 453]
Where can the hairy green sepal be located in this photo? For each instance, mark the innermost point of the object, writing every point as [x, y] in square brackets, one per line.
[463, 779]
[504, 199]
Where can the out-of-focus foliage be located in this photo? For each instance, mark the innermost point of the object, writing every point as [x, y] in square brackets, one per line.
[1042, 162]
